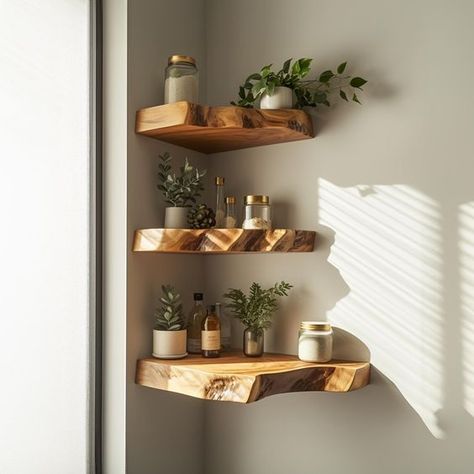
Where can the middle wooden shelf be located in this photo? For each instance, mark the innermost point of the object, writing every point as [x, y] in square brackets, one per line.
[220, 241]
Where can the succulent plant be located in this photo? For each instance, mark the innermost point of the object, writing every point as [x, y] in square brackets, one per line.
[201, 217]
[169, 317]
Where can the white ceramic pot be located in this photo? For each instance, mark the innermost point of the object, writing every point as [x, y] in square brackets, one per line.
[282, 98]
[169, 344]
[176, 218]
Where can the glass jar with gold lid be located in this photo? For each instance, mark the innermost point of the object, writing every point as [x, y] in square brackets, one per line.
[315, 341]
[257, 212]
[181, 79]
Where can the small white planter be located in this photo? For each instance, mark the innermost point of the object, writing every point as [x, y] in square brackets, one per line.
[282, 98]
[176, 217]
[169, 344]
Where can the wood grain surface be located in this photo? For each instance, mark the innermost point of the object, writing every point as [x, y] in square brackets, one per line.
[223, 240]
[236, 378]
[215, 129]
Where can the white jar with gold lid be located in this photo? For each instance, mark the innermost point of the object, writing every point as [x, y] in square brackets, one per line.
[315, 341]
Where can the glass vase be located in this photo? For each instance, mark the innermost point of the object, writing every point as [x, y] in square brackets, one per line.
[253, 342]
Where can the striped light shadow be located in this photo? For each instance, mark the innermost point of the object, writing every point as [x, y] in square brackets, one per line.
[466, 254]
[388, 250]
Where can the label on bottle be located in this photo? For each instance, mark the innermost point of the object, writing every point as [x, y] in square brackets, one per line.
[211, 340]
[194, 345]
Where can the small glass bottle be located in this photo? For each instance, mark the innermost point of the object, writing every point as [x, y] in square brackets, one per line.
[211, 334]
[197, 314]
[226, 328]
[315, 341]
[257, 212]
[220, 203]
[181, 79]
[230, 215]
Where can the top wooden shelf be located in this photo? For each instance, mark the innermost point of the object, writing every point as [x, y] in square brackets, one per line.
[215, 129]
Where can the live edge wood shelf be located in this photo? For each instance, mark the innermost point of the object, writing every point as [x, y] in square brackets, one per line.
[236, 378]
[214, 129]
[220, 241]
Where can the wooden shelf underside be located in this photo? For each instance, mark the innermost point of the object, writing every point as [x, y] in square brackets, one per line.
[220, 241]
[215, 129]
[236, 378]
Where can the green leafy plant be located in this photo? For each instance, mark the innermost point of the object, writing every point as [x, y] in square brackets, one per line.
[308, 92]
[169, 317]
[201, 217]
[179, 191]
[256, 309]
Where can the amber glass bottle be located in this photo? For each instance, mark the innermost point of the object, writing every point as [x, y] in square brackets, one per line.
[211, 333]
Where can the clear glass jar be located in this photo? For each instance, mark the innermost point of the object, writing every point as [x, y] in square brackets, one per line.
[230, 215]
[181, 79]
[220, 202]
[257, 212]
[315, 341]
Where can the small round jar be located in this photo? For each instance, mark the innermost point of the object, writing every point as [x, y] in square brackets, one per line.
[315, 341]
[257, 212]
[181, 79]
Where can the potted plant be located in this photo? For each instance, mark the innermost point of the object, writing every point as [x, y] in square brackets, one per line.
[255, 310]
[169, 335]
[179, 191]
[275, 90]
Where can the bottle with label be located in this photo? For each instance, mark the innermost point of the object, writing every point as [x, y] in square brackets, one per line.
[196, 316]
[226, 328]
[211, 333]
[220, 203]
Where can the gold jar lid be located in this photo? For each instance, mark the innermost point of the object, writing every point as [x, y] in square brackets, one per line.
[230, 200]
[179, 58]
[256, 199]
[315, 326]
[219, 181]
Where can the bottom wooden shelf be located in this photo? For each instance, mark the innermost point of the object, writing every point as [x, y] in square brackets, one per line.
[236, 378]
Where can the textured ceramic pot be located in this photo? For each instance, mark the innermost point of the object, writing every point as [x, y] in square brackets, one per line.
[282, 98]
[176, 218]
[169, 344]
[253, 343]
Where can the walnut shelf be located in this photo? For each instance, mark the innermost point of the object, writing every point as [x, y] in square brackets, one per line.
[223, 241]
[214, 129]
[236, 378]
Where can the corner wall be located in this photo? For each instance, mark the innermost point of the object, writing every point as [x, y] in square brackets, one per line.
[388, 185]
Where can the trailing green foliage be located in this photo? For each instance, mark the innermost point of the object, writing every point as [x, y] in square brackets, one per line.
[169, 317]
[201, 217]
[308, 92]
[179, 191]
[256, 310]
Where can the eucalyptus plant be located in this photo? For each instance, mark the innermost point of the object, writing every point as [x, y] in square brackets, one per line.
[256, 309]
[308, 92]
[183, 189]
[169, 317]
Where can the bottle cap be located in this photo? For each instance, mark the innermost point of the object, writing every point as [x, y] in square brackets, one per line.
[219, 181]
[198, 296]
[256, 199]
[179, 58]
[315, 326]
[230, 200]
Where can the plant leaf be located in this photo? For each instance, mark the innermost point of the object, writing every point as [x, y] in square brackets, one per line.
[355, 98]
[341, 67]
[357, 82]
[326, 76]
[343, 95]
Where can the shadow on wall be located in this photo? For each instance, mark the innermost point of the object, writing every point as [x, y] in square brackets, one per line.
[389, 251]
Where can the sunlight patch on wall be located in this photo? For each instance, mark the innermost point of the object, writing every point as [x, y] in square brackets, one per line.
[466, 259]
[388, 250]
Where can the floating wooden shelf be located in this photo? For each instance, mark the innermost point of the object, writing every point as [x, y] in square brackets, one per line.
[214, 129]
[236, 378]
[223, 240]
